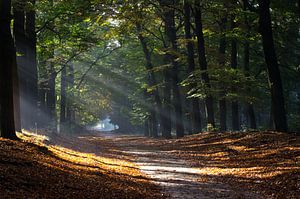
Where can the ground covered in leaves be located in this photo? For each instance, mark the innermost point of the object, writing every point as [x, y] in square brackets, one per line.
[34, 168]
[253, 164]
[107, 165]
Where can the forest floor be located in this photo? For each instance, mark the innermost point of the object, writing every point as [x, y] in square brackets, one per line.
[108, 165]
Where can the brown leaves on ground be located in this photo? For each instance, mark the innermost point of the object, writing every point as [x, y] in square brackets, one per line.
[97, 165]
[267, 163]
[31, 169]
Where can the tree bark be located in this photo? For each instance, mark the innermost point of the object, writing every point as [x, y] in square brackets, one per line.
[249, 106]
[31, 68]
[166, 124]
[265, 28]
[170, 29]
[147, 133]
[43, 119]
[51, 96]
[63, 96]
[20, 42]
[156, 109]
[209, 102]
[7, 61]
[234, 105]
[195, 108]
[70, 97]
[222, 51]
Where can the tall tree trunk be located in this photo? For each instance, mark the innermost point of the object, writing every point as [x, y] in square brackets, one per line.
[234, 105]
[70, 97]
[19, 70]
[16, 90]
[170, 29]
[265, 27]
[51, 96]
[222, 51]
[7, 61]
[51, 87]
[154, 126]
[63, 95]
[249, 106]
[156, 109]
[195, 108]
[166, 122]
[43, 119]
[32, 76]
[147, 133]
[209, 102]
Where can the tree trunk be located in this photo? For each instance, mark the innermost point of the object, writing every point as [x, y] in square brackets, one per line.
[170, 29]
[234, 105]
[20, 42]
[51, 90]
[147, 133]
[249, 106]
[16, 90]
[19, 34]
[43, 119]
[153, 124]
[63, 95]
[51, 96]
[222, 101]
[265, 27]
[31, 72]
[156, 108]
[70, 97]
[166, 122]
[195, 108]
[7, 61]
[203, 63]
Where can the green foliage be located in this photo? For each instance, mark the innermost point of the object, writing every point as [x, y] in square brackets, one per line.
[100, 38]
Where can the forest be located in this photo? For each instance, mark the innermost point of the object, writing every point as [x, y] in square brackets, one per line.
[150, 99]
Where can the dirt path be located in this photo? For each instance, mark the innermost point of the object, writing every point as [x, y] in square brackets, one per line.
[174, 175]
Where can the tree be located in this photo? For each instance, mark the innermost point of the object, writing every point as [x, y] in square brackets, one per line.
[265, 29]
[222, 60]
[7, 61]
[63, 88]
[19, 37]
[170, 31]
[155, 110]
[246, 50]
[195, 109]
[234, 104]
[209, 102]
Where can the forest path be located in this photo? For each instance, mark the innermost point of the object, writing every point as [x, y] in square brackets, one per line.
[173, 174]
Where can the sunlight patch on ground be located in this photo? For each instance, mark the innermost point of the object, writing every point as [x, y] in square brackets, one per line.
[252, 172]
[86, 161]
[33, 137]
[98, 162]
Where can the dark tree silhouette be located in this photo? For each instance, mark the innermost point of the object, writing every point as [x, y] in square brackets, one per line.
[7, 62]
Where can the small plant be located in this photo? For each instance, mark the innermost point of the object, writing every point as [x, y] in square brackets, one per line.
[211, 128]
